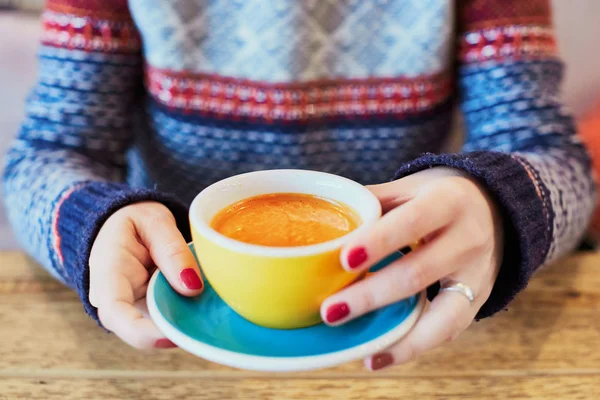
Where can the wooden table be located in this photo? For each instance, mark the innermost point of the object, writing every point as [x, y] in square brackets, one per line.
[547, 346]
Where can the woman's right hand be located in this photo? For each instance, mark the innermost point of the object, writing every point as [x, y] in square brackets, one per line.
[131, 244]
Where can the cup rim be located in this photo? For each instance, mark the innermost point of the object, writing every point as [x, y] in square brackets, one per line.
[372, 210]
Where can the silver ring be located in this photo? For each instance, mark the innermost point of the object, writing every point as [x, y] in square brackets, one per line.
[459, 288]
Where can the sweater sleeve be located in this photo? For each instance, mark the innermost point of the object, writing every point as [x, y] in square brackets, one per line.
[64, 172]
[521, 143]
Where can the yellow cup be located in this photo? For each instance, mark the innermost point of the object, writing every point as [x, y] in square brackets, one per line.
[271, 286]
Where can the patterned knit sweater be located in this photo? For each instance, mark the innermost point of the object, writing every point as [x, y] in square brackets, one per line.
[155, 99]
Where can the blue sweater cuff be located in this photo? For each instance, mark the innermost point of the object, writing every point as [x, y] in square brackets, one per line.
[527, 233]
[83, 213]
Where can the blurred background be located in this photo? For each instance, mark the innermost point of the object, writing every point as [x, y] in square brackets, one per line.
[576, 23]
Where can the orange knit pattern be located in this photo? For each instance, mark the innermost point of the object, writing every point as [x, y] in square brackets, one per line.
[90, 26]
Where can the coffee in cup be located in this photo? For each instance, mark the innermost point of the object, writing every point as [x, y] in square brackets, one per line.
[285, 220]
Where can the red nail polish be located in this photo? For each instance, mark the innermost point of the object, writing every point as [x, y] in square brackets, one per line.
[356, 257]
[190, 279]
[164, 344]
[337, 312]
[381, 361]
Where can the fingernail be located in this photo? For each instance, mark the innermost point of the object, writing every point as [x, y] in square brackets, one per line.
[356, 257]
[190, 279]
[164, 344]
[381, 361]
[337, 312]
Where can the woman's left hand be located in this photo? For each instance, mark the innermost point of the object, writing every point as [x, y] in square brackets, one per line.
[461, 241]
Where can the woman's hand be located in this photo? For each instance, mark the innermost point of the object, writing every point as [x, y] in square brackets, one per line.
[461, 241]
[132, 243]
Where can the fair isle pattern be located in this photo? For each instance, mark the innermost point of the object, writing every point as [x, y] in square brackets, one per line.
[514, 108]
[519, 105]
[562, 175]
[230, 98]
[90, 34]
[44, 175]
[290, 40]
[75, 130]
[82, 101]
[507, 42]
[198, 153]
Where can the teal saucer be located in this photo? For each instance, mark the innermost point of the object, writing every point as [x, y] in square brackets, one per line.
[206, 327]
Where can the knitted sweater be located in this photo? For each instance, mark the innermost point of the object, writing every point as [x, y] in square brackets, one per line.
[155, 100]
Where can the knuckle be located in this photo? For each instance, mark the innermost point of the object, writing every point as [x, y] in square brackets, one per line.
[412, 220]
[453, 332]
[368, 299]
[416, 277]
[153, 215]
[412, 224]
[453, 190]
[479, 238]
[383, 240]
[156, 219]
[173, 249]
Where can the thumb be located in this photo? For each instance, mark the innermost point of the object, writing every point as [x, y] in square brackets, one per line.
[168, 250]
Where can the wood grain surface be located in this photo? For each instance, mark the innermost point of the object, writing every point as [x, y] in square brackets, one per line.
[546, 346]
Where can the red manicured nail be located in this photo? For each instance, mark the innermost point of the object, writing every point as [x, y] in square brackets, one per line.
[190, 279]
[381, 361]
[164, 344]
[356, 257]
[337, 312]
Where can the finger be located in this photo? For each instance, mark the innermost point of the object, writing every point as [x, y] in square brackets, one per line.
[121, 233]
[108, 286]
[401, 227]
[403, 278]
[448, 316]
[130, 325]
[170, 253]
[121, 276]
